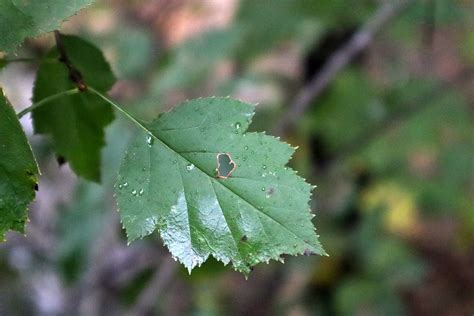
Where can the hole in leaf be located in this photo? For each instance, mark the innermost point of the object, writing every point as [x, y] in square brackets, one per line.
[225, 165]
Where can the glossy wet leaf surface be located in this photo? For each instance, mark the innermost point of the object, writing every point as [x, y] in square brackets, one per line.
[75, 122]
[168, 182]
[18, 171]
[28, 18]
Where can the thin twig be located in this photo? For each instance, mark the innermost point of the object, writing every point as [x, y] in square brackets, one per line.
[338, 61]
[74, 74]
[150, 295]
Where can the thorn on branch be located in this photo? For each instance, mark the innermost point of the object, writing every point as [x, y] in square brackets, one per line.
[74, 74]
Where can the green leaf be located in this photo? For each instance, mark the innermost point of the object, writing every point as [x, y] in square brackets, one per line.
[18, 171]
[76, 122]
[28, 18]
[168, 181]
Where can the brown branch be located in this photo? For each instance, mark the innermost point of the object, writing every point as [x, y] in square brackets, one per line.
[338, 61]
[74, 74]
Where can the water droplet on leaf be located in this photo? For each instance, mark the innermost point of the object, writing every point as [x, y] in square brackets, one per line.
[149, 140]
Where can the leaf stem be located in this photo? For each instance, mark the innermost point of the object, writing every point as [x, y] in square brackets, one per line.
[118, 107]
[74, 74]
[46, 100]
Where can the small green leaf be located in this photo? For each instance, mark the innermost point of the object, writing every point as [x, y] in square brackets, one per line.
[168, 181]
[76, 122]
[18, 171]
[28, 18]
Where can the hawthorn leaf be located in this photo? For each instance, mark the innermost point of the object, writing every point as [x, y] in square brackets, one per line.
[76, 122]
[18, 171]
[168, 181]
[29, 18]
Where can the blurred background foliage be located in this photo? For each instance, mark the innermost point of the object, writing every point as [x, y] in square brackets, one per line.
[389, 143]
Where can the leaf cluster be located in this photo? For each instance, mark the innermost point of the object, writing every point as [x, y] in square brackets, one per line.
[245, 209]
